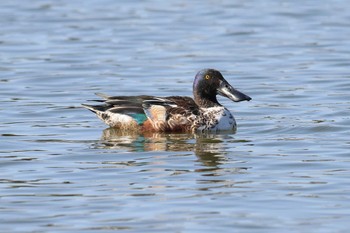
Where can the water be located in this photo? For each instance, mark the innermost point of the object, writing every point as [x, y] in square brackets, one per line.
[285, 170]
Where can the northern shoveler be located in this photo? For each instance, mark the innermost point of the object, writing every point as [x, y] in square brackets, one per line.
[173, 113]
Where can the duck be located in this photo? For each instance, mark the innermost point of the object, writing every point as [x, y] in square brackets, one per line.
[146, 113]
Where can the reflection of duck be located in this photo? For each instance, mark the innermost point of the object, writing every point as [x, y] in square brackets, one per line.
[173, 113]
[147, 141]
[209, 148]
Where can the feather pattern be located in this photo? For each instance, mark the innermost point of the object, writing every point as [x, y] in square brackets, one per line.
[172, 113]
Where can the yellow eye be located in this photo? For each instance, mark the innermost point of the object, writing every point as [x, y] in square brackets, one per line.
[207, 77]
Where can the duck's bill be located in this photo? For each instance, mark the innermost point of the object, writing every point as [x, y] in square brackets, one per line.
[228, 91]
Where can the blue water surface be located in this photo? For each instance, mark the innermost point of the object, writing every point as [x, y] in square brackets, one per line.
[286, 169]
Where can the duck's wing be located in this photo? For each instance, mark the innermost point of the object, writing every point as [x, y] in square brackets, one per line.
[173, 113]
[123, 100]
[119, 110]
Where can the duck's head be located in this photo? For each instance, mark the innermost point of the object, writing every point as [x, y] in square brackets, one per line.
[208, 83]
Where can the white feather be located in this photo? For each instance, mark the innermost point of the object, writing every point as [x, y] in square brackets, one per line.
[217, 118]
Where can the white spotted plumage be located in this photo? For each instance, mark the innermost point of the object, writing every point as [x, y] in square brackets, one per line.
[216, 118]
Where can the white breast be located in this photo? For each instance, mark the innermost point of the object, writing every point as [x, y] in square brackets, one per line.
[218, 118]
[226, 121]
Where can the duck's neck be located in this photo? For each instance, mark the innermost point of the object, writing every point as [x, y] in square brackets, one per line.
[205, 100]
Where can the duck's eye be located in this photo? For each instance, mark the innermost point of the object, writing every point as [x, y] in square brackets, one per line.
[207, 77]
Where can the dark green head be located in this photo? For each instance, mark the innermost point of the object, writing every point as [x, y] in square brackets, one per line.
[208, 83]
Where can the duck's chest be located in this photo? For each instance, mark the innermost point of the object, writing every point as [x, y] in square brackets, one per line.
[216, 118]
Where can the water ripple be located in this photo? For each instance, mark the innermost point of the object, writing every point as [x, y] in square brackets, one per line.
[286, 168]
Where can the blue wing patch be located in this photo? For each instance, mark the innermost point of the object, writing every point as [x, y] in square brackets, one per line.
[139, 117]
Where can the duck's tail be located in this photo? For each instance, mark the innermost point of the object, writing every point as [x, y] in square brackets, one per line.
[123, 117]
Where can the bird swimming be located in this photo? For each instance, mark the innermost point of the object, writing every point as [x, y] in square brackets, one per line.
[147, 113]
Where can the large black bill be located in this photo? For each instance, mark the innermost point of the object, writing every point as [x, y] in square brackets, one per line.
[228, 91]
